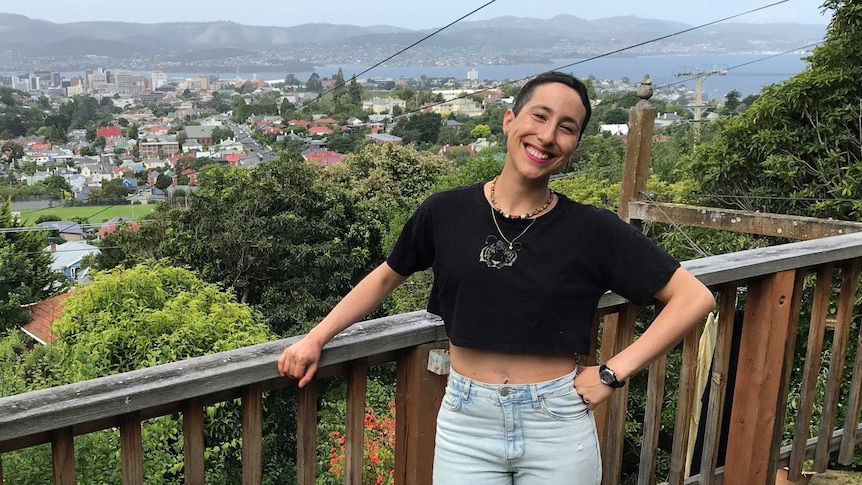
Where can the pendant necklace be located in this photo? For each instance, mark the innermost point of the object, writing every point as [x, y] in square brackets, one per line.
[512, 242]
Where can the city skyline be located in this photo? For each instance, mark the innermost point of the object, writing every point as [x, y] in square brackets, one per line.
[417, 16]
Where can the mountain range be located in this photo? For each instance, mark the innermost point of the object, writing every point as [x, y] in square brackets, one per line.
[517, 37]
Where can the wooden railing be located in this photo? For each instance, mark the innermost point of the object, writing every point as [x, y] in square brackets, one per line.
[773, 283]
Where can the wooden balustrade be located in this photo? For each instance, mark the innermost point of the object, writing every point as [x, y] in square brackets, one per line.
[772, 280]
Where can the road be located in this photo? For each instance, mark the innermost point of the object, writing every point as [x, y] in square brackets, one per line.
[241, 133]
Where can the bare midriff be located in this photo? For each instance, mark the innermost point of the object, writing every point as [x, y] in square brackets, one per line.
[494, 367]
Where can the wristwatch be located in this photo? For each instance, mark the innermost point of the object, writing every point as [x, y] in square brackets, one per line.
[609, 377]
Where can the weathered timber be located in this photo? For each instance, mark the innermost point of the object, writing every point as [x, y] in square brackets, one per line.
[718, 383]
[816, 331]
[62, 406]
[846, 302]
[252, 435]
[306, 434]
[652, 421]
[355, 428]
[131, 450]
[193, 442]
[764, 224]
[851, 418]
[758, 379]
[619, 334]
[418, 394]
[63, 457]
[638, 146]
[684, 407]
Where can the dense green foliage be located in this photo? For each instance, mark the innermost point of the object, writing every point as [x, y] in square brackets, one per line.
[796, 150]
[25, 270]
[127, 320]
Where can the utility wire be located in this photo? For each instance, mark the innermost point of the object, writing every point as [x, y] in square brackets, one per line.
[432, 34]
[746, 63]
[756, 197]
[606, 54]
[691, 241]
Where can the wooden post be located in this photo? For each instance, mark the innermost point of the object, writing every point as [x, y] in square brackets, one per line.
[641, 126]
[252, 435]
[193, 442]
[355, 429]
[63, 457]
[131, 450]
[617, 334]
[306, 434]
[765, 334]
[418, 394]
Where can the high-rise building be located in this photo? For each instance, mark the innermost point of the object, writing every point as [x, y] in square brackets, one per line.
[159, 79]
[473, 75]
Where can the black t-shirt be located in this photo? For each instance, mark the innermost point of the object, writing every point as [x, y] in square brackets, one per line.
[538, 294]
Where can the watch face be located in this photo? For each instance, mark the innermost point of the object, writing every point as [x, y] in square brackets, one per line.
[607, 376]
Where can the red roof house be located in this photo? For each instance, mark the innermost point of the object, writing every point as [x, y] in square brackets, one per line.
[109, 132]
[319, 130]
[42, 318]
[324, 158]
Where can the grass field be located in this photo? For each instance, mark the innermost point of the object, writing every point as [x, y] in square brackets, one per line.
[95, 214]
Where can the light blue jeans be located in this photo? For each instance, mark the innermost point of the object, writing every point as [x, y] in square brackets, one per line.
[525, 434]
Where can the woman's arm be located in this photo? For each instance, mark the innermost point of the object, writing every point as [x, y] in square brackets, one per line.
[300, 360]
[686, 302]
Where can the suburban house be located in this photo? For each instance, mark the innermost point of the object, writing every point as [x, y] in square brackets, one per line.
[384, 138]
[323, 158]
[158, 149]
[67, 258]
[200, 134]
[146, 194]
[69, 230]
[109, 132]
[461, 106]
[383, 105]
[40, 326]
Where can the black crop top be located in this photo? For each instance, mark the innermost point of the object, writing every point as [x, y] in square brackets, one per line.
[539, 296]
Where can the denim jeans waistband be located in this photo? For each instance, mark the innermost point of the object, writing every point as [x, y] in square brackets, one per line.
[468, 388]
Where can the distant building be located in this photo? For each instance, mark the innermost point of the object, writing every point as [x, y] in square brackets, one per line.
[384, 138]
[472, 75]
[158, 79]
[68, 258]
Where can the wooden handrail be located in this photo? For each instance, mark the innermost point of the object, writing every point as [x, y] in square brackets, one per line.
[57, 415]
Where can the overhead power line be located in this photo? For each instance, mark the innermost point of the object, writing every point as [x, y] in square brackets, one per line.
[755, 61]
[610, 53]
[423, 39]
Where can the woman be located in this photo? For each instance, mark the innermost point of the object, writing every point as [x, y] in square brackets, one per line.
[518, 272]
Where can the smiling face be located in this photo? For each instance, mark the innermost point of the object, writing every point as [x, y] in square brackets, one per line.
[544, 134]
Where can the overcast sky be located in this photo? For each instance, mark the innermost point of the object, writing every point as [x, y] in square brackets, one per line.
[413, 14]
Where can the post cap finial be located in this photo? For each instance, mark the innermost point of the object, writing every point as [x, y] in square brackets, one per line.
[645, 89]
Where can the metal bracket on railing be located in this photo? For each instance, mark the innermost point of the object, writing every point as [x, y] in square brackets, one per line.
[438, 362]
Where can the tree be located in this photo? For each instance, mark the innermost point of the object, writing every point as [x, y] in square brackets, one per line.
[134, 319]
[796, 149]
[99, 143]
[25, 270]
[732, 102]
[163, 181]
[421, 127]
[314, 83]
[219, 134]
[11, 151]
[481, 131]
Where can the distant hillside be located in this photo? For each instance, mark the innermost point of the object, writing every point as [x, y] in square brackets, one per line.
[502, 33]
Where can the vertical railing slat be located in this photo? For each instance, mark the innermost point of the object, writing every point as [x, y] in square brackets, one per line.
[306, 434]
[759, 378]
[652, 421]
[854, 406]
[816, 331]
[131, 450]
[355, 430]
[619, 335]
[252, 434]
[718, 383]
[63, 456]
[846, 302]
[193, 442]
[685, 405]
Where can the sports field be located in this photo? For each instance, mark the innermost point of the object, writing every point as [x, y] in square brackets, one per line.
[94, 214]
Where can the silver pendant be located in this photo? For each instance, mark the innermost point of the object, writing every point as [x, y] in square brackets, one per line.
[497, 254]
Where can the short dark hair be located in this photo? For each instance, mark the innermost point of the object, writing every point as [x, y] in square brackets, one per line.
[527, 89]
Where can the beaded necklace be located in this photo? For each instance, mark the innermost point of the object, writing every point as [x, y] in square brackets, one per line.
[516, 216]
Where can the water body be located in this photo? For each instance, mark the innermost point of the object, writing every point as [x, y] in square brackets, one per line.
[747, 79]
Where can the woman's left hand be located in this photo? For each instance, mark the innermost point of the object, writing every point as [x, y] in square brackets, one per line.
[590, 387]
